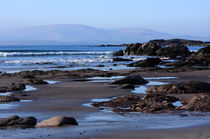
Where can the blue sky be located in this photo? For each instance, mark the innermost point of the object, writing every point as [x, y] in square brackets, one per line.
[190, 17]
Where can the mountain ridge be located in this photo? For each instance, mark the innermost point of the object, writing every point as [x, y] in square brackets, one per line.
[82, 34]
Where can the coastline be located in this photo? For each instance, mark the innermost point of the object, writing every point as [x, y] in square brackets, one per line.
[67, 98]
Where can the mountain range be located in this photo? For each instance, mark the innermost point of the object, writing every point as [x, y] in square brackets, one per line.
[82, 34]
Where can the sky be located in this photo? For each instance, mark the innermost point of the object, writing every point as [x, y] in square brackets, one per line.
[181, 17]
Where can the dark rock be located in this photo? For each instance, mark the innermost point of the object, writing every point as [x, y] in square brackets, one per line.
[155, 103]
[122, 101]
[191, 87]
[4, 89]
[17, 86]
[194, 61]
[17, 121]
[100, 66]
[131, 79]
[119, 53]
[132, 49]
[173, 51]
[120, 59]
[127, 86]
[151, 103]
[5, 99]
[36, 81]
[159, 98]
[200, 102]
[149, 62]
[204, 51]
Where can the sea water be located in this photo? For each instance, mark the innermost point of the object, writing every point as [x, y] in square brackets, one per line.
[68, 57]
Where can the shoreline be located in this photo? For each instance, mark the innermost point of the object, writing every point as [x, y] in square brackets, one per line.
[66, 98]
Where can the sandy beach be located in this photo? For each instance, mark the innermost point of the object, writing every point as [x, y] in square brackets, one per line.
[67, 97]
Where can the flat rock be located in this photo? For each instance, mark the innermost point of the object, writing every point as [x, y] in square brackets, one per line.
[191, 87]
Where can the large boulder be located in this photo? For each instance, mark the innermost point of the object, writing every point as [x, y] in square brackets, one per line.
[118, 53]
[149, 62]
[4, 99]
[142, 49]
[57, 121]
[190, 87]
[131, 79]
[200, 102]
[132, 49]
[17, 121]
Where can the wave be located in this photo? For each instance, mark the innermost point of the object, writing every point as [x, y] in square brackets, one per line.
[15, 54]
[57, 61]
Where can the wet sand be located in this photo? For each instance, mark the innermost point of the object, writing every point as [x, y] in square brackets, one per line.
[67, 98]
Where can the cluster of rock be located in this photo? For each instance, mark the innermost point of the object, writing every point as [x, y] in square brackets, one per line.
[199, 102]
[174, 49]
[200, 58]
[12, 87]
[17, 121]
[32, 121]
[151, 103]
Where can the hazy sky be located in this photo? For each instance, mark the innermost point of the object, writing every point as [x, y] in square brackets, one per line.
[190, 17]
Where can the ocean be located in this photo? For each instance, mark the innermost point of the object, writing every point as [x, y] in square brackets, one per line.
[68, 57]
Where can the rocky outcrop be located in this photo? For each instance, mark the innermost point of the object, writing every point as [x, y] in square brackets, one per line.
[173, 51]
[149, 62]
[148, 49]
[4, 99]
[191, 87]
[57, 121]
[17, 121]
[153, 49]
[131, 79]
[12, 87]
[151, 103]
[132, 49]
[172, 42]
[200, 58]
[200, 102]
[118, 53]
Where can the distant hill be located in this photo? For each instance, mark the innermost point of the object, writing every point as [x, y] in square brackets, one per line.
[81, 34]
